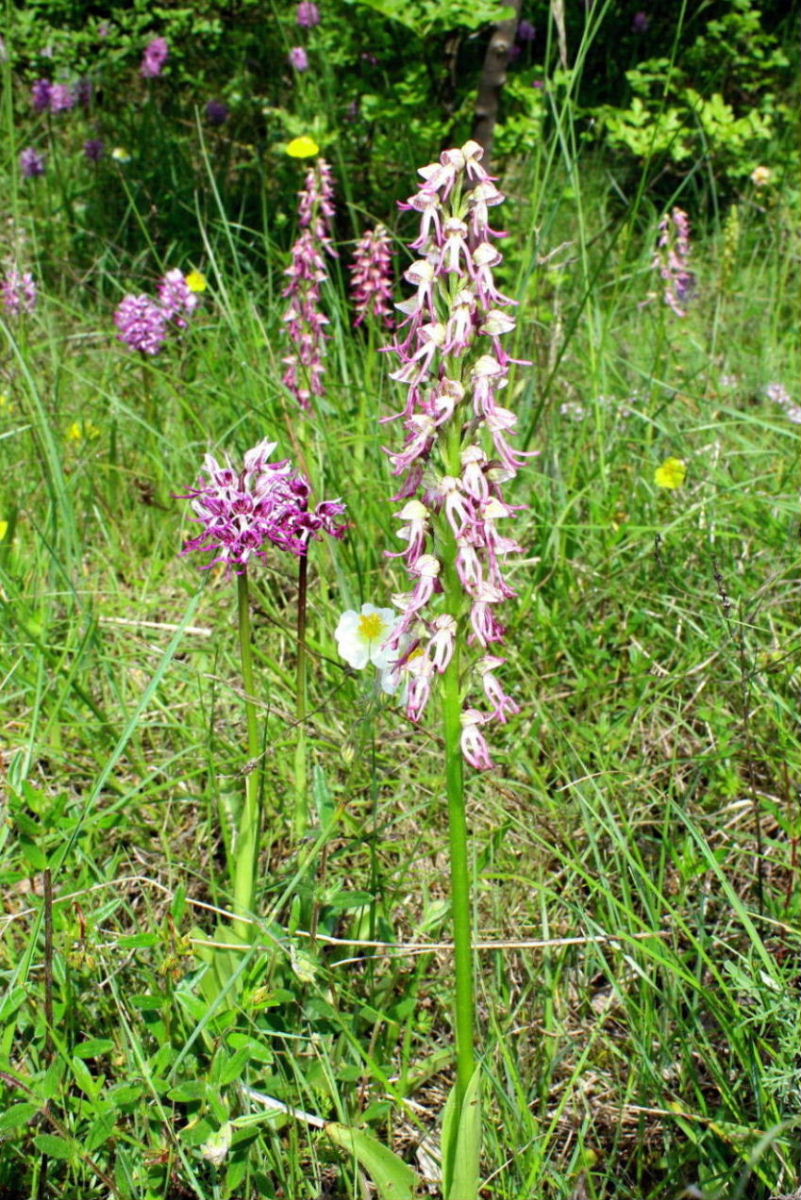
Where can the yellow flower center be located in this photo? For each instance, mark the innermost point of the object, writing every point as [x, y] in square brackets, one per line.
[371, 626]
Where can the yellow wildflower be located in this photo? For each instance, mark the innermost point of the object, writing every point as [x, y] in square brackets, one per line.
[671, 474]
[3, 529]
[196, 281]
[302, 147]
[82, 429]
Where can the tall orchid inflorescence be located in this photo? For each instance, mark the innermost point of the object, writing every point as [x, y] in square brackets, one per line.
[455, 367]
[371, 276]
[303, 318]
[672, 260]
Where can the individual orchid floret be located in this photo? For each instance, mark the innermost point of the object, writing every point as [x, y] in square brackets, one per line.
[371, 277]
[474, 744]
[304, 320]
[19, 292]
[672, 260]
[142, 324]
[265, 504]
[458, 449]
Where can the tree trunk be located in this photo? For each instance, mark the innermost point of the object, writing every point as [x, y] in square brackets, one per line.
[493, 77]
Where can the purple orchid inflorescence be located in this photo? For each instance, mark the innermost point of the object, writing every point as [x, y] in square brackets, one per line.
[142, 324]
[176, 300]
[217, 112]
[40, 95]
[455, 366]
[298, 58]
[304, 320]
[308, 14]
[372, 276]
[265, 504]
[31, 162]
[155, 56]
[672, 260]
[18, 291]
[94, 149]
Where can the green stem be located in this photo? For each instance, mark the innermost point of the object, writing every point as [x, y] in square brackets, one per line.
[301, 798]
[464, 1002]
[247, 841]
[460, 879]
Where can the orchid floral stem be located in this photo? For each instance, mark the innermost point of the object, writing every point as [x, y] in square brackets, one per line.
[246, 848]
[460, 879]
[301, 797]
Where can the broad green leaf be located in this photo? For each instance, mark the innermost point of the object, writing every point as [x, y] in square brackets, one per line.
[18, 1114]
[55, 1147]
[394, 1179]
[467, 1158]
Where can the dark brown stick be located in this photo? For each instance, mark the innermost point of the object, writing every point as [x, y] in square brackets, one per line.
[493, 77]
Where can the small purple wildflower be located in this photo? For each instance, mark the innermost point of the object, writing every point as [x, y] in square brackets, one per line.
[298, 58]
[40, 95]
[640, 22]
[142, 324]
[455, 367]
[62, 98]
[176, 298]
[19, 291]
[217, 112]
[94, 149]
[308, 14]
[156, 54]
[672, 259]
[526, 32]
[371, 276]
[263, 504]
[31, 162]
[307, 272]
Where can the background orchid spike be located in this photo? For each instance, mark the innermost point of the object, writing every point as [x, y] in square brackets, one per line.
[672, 260]
[458, 451]
[266, 503]
[304, 320]
[371, 276]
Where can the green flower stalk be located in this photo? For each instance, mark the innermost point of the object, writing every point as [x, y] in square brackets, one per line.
[243, 514]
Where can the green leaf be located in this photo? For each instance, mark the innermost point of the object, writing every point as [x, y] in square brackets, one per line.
[55, 1147]
[394, 1178]
[461, 1143]
[18, 1114]
[93, 1048]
